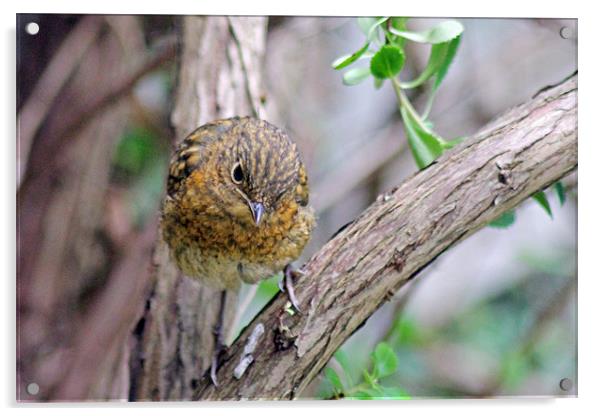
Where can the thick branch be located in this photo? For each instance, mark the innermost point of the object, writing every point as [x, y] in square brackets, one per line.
[525, 150]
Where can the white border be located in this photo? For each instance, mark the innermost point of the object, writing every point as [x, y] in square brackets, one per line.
[590, 348]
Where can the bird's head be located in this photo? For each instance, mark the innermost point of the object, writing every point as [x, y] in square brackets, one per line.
[259, 168]
[241, 167]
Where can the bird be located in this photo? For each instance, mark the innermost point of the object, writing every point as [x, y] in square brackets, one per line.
[236, 209]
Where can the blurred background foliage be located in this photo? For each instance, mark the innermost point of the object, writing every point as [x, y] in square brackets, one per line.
[495, 315]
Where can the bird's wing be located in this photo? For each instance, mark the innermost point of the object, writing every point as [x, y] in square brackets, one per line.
[302, 190]
[191, 153]
[185, 159]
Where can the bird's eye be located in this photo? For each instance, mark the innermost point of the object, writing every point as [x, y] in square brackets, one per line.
[237, 174]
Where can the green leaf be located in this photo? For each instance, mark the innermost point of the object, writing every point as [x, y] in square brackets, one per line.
[515, 368]
[428, 124]
[425, 146]
[384, 360]
[399, 23]
[368, 26]
[560, 192]
[334, 379]
[378, 83]
[387, 62]
[408, 332]
[137, 149]
[452, 48]
[355, 76]
[347, 60]
[542, 200]
[505, 220]
[443, 32]
[441, 70]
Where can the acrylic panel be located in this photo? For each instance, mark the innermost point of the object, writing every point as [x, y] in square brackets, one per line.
[282, 207]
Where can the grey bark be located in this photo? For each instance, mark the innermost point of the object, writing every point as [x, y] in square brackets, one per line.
[520, 153]
[219, 76]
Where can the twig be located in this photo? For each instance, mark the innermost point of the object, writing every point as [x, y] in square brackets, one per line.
[56, 74]
[100, 103]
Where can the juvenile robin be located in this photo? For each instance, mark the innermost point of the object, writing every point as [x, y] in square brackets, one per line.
[236, 208]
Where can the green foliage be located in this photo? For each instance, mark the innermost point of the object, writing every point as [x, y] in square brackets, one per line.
[334, 379]
[555, 264]
[385, 360]
[384, 363]
[139, 163]
[448, 50]
[508, 218]
[495, 327]
[347, 60]
[425, 146]
[385, 41]
[368, 26]
[560, 192]
[136, 149]
[496, 333]
[505, 220]
[355, 76]
[542, 200]
[441, 33]
[387, 62]
[438, 55]
[407, 332]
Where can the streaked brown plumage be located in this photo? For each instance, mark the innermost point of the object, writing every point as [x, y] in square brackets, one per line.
[222, 177]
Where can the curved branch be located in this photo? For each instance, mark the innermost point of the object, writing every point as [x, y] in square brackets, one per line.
[525, 150]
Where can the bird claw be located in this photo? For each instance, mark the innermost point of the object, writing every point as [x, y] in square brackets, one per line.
[215, 361]
[214, 365]
[219, 340]
[286, 284]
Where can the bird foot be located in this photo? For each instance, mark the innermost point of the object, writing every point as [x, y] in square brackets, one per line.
[218, 339]
[287, 284]
[215, 364]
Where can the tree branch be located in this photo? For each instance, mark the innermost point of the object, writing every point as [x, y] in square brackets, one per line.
[63, 63]
[74, 124]
[523, 151]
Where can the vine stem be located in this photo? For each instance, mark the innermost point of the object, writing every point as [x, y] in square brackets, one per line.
[405, 103]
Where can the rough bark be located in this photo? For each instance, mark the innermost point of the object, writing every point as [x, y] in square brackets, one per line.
[523, 151]
[220, 73]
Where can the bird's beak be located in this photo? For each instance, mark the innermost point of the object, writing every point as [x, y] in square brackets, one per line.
[257, 209]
